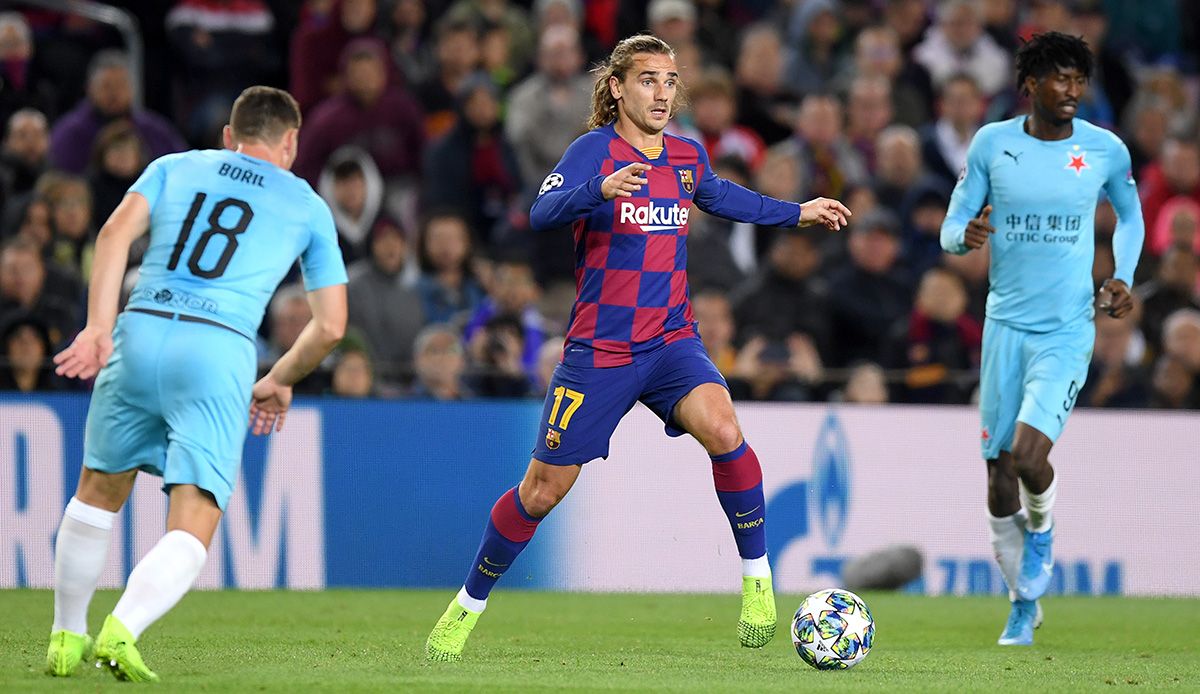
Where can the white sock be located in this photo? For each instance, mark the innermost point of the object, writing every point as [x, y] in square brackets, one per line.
[79, 554]
[1039, 506]
[472, 604]
[160, 579]
[756, 568]
[1008, 543]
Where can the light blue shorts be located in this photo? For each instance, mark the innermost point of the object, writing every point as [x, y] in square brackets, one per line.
[173, 401]
[1032, 378]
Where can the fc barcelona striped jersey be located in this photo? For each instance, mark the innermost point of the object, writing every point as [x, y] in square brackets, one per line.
[631, 253]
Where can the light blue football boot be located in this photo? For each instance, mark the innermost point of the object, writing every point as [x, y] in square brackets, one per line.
[1037, 565]
[1023, 618]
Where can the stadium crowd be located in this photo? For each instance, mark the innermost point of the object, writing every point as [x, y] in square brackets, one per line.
[429, 126]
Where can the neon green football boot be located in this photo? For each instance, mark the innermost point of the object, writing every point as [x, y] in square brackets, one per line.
[116, 651]
[756, 626]
[449, 635]
[67, 650]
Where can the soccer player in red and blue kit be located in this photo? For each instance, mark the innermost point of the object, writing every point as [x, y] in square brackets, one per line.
[628, 189]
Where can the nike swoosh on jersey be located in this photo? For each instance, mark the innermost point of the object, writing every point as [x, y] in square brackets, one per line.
[743, 515]
[489, 562]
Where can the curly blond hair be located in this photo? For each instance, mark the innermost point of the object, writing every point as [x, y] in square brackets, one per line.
[604, 106]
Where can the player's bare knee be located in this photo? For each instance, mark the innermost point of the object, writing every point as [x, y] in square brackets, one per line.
[1026, 459]
[542, 499]
[722, 436]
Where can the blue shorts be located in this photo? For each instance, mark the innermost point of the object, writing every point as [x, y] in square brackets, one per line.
[585, 403]
[1032, 378]
[173, 401]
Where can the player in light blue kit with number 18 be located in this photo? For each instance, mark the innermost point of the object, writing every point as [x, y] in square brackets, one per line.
[1034, 182]
[176, 369]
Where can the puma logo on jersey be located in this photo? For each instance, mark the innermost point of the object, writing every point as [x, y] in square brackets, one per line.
[1015, 157]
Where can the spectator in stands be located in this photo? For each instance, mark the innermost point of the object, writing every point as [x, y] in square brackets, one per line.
[21, 87]
[473, 168]
[23, 153]
[944, 143]
[74, 231]
[877, 54]
[109, 97]
[1178, 224]
[1112, 85]
[958, 43]
[440, 362]
[549, 109]
[1174, 387]
[1148, 120]
[513, 292]
[410, 40]
[1000, 22]
[814, 49]
[673, 21]
[872, 292]
[1177, 374]
[1115, 377]
[512, 19]
[785, 297]
[868, 112]
[908, 20]
[496, 351]
[221, 48]
[23, 290]
[936, 340]
[353, 374]
[457, 58]
[118, 158]
[714, 314]
[828, 163]
[921, 216]
[866, 385]
[766, 103]
[317, 48]
[382, 118]
[352, 186]
[446, 286]
[787, 370]
[25, 364]
[714, 117]
[1176, 173]
[898, 165]
[383, 307]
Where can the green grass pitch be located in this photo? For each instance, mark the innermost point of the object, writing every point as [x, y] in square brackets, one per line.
[373, 641]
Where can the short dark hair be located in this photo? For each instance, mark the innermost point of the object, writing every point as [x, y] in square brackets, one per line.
[1047, 52]
[264, 114]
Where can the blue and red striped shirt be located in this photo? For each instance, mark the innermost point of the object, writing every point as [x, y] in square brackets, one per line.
[631, 253]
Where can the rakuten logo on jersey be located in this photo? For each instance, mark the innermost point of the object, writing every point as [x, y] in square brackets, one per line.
[652, 217]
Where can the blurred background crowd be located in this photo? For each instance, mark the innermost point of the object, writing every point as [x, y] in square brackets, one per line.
[430, 124]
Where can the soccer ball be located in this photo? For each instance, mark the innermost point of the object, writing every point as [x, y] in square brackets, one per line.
[833, 630]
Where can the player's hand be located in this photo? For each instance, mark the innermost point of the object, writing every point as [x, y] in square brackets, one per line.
[1114, 298]
[88, 353]
[269, 402]
[979, 229]
[831, 213]
[624, 182]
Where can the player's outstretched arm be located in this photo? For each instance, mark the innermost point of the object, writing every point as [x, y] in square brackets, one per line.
[833, 214]
[272, 395]
[92, 347]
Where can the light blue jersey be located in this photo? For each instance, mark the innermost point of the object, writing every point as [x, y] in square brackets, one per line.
[1043, 196]
[225, 228]
[174, 397]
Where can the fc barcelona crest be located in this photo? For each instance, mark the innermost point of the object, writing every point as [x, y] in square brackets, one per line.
[685, 178]
[553, 439]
